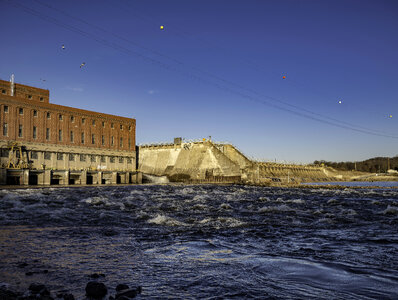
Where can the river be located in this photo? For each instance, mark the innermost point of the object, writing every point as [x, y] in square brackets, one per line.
[203, 241]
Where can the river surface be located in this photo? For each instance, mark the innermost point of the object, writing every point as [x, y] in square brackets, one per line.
[203, 241]
[358, 183]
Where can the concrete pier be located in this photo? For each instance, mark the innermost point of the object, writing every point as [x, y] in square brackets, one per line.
[66, 177]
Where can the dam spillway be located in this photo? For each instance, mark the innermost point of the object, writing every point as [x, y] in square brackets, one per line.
[206, 161]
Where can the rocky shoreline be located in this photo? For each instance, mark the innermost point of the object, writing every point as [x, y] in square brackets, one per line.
[95, 290]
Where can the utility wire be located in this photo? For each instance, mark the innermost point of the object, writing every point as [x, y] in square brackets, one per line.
[190, 75]
[186, 36]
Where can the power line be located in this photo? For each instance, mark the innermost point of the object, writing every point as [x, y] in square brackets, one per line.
[185, 35]
[196, 77]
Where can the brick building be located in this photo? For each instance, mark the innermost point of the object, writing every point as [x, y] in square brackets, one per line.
[63, 139]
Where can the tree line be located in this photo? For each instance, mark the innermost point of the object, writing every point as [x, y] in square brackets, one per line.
[373, 165]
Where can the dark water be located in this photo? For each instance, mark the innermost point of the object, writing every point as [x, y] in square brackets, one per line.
[358, 183]
[204, 242]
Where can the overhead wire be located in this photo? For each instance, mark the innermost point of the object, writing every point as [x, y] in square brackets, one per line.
[185, 35]
[190, 75]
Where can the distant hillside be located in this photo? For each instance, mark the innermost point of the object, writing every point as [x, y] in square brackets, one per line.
[373, 165]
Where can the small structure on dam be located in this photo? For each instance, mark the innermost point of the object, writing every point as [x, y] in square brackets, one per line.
[43, 143]
[203, 161]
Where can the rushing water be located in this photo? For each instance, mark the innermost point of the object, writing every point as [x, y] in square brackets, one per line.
[358, 183]
[204, 241]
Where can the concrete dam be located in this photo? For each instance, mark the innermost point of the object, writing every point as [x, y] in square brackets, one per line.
[207, 161]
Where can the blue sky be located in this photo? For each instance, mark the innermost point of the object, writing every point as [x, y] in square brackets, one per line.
[216, 70]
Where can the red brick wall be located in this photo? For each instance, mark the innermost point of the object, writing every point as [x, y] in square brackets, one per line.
[25, 92]
[28, 121]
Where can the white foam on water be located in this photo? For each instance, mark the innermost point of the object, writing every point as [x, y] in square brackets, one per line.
[199, 207]
[164, 220]
[136, 192]
[187, 190]
[95, 200]
[297, 201]
[390, 210]
[332, 201]
[348, 212]
[229, 222]
[222, 222]
[200, 198]
[205, 221]
[264, 199]
[318, 212]
[230, 198]
[267, 209]
[225, 206]
[156, 179]
[326, 220]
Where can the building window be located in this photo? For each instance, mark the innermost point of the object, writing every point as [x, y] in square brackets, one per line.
[34, 132]
[129, 160]
[47, 155]
[60, 156]
[83, 121]
[33, 155]
[72, 119]
[112, 159]
[103, 124]
[60, 135]
[48, 115]
[112, 141]
[93, 158]
[129, 128]
[4, 152]
[112, 126]
[82, 137]
[47, 134]
[71, 157]
[3, 91]
[29, 96]
[20, 131]
[41, 99]
[5, 129]
[21, 111]
[103, 140]
[93, 123]
[35, 113]
[82, 157]
[61, 117]
[121, 127]
[103, 159]
[121, 159]
[121, 142]
[5, 108]
[129, 143]
[72, 137]
[93, 139]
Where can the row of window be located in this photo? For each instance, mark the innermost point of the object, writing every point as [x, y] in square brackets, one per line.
[3, 91]
[61, 117]
[60, 136]
[82, 157]
[73, 157]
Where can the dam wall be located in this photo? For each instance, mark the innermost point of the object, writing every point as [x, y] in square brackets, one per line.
[205, 161]
[188, 162]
